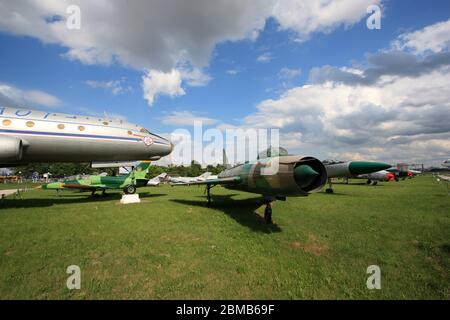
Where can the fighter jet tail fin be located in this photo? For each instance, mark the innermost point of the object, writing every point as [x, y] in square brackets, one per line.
[142, 170]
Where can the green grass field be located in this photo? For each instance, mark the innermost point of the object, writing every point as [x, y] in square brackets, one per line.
[172, 246]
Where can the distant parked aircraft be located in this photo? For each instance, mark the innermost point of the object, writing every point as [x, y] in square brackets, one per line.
[156, 181]
[138, 177]
[187, 180]
[375, 177]
[350, 169]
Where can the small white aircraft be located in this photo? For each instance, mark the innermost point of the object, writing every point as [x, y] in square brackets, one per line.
[187, 180]
[157, 180]
[375, 177]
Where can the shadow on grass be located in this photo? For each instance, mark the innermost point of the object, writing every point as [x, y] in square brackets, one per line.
[242, 211]
[68, 198]
[334, 194]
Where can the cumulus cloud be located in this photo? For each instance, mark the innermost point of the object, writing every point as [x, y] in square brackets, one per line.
[434, 38]
[157, 82]
[116, 87]
[395, 109]
[152, 35]
[265, 57]
[11, 96]
[288, 74]
[307, 17]
[335, 118]
[194, 77]
[393, 63]
[186, 118]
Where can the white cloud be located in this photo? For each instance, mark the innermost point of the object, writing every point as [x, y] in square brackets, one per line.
[153, 35]
[157, 82]
[116, 87]
[195, 77]
[397, 117]
[393, 110]
[141, 34]
[265, 57]
[307, 17]
[186, 118]
[435, 38]
[11, 96]
[233, 72]
[288, 74]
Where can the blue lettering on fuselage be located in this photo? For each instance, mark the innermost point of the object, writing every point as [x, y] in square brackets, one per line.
[20, 113]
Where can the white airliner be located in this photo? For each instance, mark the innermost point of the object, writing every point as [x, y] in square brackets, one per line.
[38, 136]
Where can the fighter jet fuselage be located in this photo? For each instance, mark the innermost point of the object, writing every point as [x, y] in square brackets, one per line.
[294, 176]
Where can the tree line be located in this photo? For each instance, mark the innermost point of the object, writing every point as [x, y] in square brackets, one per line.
[61, 170]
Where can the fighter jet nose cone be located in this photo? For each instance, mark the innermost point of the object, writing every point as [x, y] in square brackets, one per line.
[363, 167]
[305, 175]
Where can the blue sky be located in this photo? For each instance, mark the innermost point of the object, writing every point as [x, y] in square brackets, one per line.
[239, 83]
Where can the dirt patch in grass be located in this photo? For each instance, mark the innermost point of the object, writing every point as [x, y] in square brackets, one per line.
[312, 245]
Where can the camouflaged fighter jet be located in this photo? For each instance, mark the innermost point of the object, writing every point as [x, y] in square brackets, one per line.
[350, 169]
[296, 176]
[138, 177]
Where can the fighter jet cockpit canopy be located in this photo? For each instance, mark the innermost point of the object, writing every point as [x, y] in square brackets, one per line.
[273, 152]
[332, 161]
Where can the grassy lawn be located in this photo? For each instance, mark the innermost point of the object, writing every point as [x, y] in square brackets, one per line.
[172, 246]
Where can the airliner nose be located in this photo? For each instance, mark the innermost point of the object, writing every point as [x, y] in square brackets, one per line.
[167, 148]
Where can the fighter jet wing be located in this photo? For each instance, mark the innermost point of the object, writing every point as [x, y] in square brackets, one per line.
[228, 180]
[86, 186]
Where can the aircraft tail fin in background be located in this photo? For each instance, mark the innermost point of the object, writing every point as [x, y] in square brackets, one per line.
[142, 170]
[205, 175]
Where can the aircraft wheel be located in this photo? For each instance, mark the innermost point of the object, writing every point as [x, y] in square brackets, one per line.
[369, 181]
[130, 189]
[268, 214]
[374, 183]
[329, 190]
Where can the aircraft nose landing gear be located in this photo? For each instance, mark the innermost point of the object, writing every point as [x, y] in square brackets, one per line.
[268, 213]
[330, 187]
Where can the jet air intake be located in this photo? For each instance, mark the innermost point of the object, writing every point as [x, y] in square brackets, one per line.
[309, 174]
[304, 175]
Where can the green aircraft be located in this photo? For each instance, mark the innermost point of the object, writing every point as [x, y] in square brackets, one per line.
[295, 176]
[350, 169]
[138, 177]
